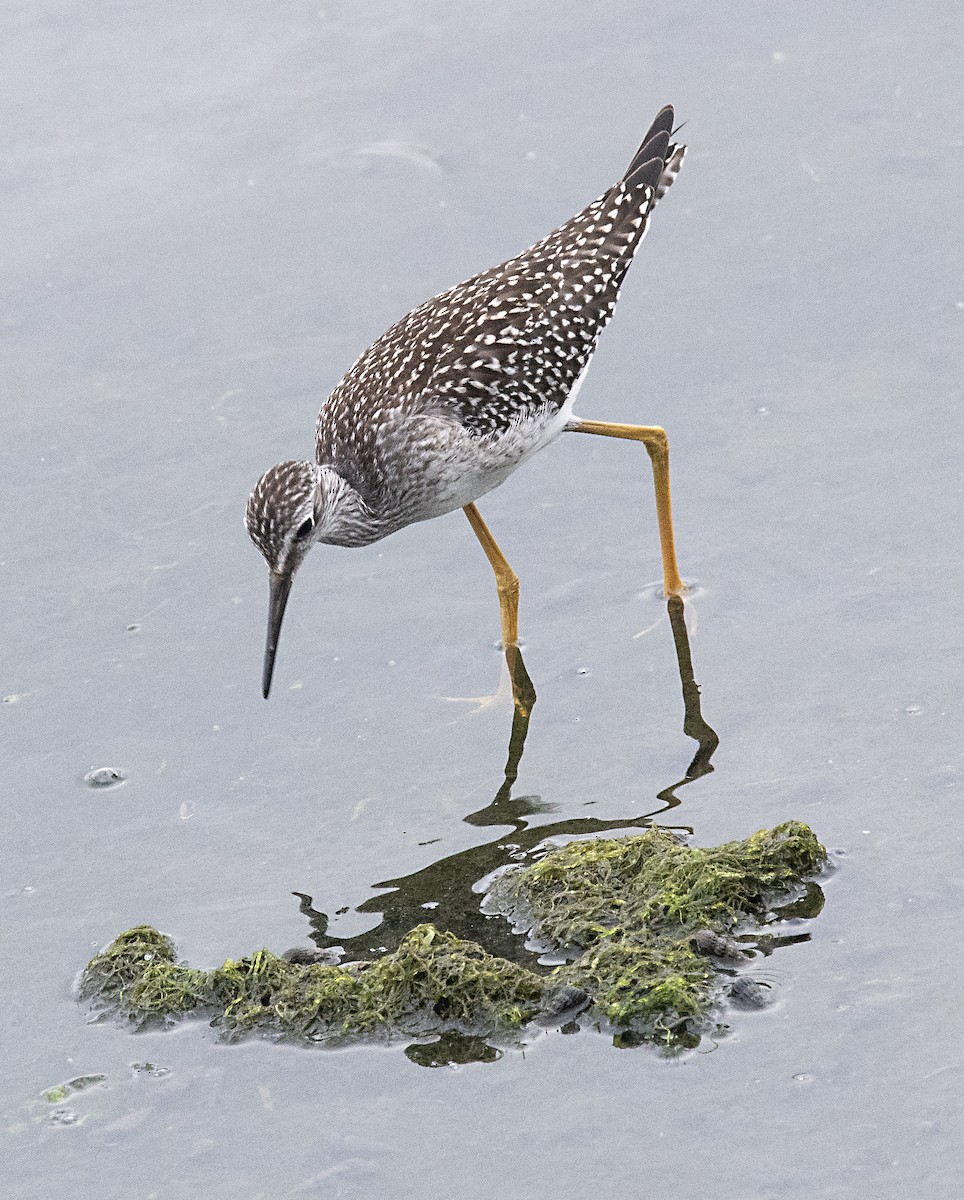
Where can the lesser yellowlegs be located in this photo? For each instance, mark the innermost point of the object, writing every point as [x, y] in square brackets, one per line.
[446, 404]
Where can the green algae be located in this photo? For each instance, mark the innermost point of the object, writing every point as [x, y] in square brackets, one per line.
[626, 910]
[59, 1093]
[139, 973]
[623, 912]
[433, 979]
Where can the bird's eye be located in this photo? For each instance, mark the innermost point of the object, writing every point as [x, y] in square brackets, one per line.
[305, 528]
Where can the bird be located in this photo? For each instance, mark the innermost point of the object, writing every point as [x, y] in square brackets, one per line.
[461, 391]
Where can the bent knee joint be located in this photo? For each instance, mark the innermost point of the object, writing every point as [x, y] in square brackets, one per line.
[657, 444]
[509, 587]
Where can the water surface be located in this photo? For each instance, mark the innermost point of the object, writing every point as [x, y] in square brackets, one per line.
[210, 210]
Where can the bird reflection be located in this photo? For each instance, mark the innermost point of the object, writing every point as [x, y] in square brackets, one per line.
[445, 892]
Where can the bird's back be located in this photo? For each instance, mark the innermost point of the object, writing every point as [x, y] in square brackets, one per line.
[505, 347]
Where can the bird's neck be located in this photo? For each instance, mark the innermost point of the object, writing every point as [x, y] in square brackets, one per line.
[346, 519]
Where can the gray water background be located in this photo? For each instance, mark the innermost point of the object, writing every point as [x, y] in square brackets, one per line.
[208, 210]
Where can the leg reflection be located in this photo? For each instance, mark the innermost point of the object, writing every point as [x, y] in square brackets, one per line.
[524, 697]
[444, 892]
[694, 725]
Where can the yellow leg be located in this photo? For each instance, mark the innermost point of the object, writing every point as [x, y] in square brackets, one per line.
[657, 446]
[506, 579]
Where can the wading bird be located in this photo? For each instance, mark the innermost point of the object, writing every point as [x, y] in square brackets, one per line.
[446, 404]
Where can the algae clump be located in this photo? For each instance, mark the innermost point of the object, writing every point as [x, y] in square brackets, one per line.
[623, 912]
[140, 974]
[626, 911]
[432, 980]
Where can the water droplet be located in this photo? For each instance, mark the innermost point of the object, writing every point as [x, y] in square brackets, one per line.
[104, 777]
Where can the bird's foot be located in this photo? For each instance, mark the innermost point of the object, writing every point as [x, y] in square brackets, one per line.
[514, 681]
[481, 703]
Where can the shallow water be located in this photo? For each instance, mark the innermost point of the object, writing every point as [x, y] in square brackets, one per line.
[209, 212]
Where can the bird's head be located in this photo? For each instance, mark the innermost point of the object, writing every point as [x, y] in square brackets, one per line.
[282, 518]
[283, 512]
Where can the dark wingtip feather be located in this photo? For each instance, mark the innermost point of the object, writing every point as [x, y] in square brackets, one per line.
[662, 124]
[655, 148]
[646, 175]
[664, 121]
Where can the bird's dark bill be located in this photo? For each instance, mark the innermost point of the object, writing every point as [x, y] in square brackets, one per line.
[280, 586]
